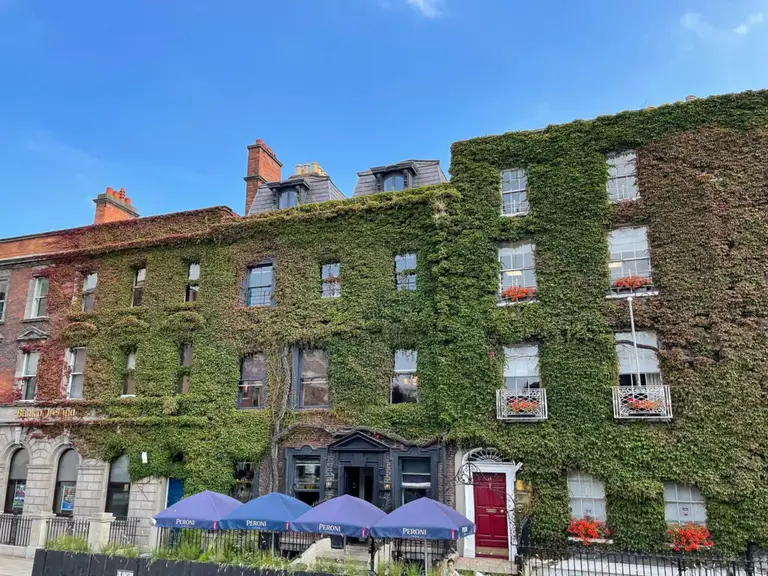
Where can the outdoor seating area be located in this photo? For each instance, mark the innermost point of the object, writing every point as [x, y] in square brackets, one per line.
[344, 531]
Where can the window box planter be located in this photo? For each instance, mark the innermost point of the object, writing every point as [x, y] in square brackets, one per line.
[642, 403]
[689, 537]
[631, 285]
[518, 294]
[588, 531]
[521, 405]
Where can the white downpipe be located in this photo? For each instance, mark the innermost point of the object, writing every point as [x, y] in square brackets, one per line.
[634, 342]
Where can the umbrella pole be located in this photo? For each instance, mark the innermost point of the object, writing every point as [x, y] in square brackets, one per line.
[273, 543]
[426, 559]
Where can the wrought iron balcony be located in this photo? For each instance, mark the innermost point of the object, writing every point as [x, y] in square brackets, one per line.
[642, 403]
[521, 405]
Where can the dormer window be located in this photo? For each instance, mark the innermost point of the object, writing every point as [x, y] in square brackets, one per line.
[287, 198]
[394, 182]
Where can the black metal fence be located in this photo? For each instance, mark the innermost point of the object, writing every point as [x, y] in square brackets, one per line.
[62, 526]
[15, 529]
[123, 531]
[188, 541]
[589, 560]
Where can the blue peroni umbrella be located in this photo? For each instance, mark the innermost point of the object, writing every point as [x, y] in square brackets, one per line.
[203, 510]
[342, 516]
[272, 513]
[423, 519]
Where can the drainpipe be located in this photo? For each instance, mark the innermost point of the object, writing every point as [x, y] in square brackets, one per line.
[445, 471]
[634, 341]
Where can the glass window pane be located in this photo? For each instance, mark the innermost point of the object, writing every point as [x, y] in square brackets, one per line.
[76, 386]
[186, 354]
[404, 388]
[307, 474]
[194, 272]
[331, 271]
[118, 472]
[90, 281]
[254, 367]
[314, 392]
[42, 287]
[648, 359]
[406, 360]
[522, 360]
[67, 470]
[141, 275]
[78, 362]
[130, 363]
[415, 465]
[314, 364]
[19, 464]
[30, 366]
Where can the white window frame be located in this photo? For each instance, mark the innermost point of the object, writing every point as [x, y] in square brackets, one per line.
[89, 290]
[521, 358]
[72, 353]
[405, 281]
[585, 490]
[641, 361]
[517, 191]
[685, 499]
[25, 375]
[516, 274]
[623, 263]
[139, 280]
[38, 296]
[331, 283]
[5, 284]
[622, 176]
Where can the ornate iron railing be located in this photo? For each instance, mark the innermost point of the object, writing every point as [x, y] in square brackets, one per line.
[521, 405]
[642, 403]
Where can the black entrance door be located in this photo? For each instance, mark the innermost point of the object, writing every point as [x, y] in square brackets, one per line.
[359, 482]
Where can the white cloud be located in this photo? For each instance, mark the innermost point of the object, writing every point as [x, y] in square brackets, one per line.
[696, 23]
[427, 8]
[751, 20]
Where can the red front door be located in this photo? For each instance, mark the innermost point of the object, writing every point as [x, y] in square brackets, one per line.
[490, 514]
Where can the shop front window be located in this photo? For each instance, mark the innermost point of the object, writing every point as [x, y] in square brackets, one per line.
[306, 485]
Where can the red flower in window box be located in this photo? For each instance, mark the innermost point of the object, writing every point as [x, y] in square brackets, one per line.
[518, 293]
[587, 530]
[631, 282]
[522, 405]
[640, 405]
[689, 537]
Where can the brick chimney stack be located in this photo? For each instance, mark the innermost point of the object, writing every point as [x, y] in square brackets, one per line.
[263, 167]
[113, 206]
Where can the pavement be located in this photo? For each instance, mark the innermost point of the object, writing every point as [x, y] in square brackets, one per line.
[10, 566]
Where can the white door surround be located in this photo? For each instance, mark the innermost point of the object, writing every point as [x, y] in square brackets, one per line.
[489, 460]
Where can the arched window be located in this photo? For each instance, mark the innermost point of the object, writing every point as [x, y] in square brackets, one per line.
[66, 482]
[119, 488]
[17, 482]
[394, 182]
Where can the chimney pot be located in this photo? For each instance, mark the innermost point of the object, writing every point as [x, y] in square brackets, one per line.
[113, 206]
[315, 168]
[298, 169]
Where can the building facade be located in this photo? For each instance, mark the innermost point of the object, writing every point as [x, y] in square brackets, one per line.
[574, 326]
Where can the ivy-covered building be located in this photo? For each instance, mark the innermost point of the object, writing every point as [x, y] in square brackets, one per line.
[576, 325]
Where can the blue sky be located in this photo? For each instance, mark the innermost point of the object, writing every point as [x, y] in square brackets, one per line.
[162, 97]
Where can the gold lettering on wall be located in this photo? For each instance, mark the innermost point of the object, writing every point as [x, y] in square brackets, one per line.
[41, 413]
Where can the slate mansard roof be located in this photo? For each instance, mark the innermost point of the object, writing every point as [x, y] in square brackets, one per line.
[313, 188]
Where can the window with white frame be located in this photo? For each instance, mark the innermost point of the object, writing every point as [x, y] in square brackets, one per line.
[253, 382]
[129, 387]
[638, 367]
[514, 198]
[89, 291]
[331, 278]
[630, 261]
[521, 370]
[518, 277]
[405, 271]
[3, 297]
[193, 282]
[404, 384]
[40, 298]
[313, 380]
[684, 503]
[76, 372]
[586, 495]
[622, 176]
[139, 277]
[29, 375]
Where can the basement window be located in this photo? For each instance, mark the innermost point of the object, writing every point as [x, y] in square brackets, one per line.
[684, 503]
